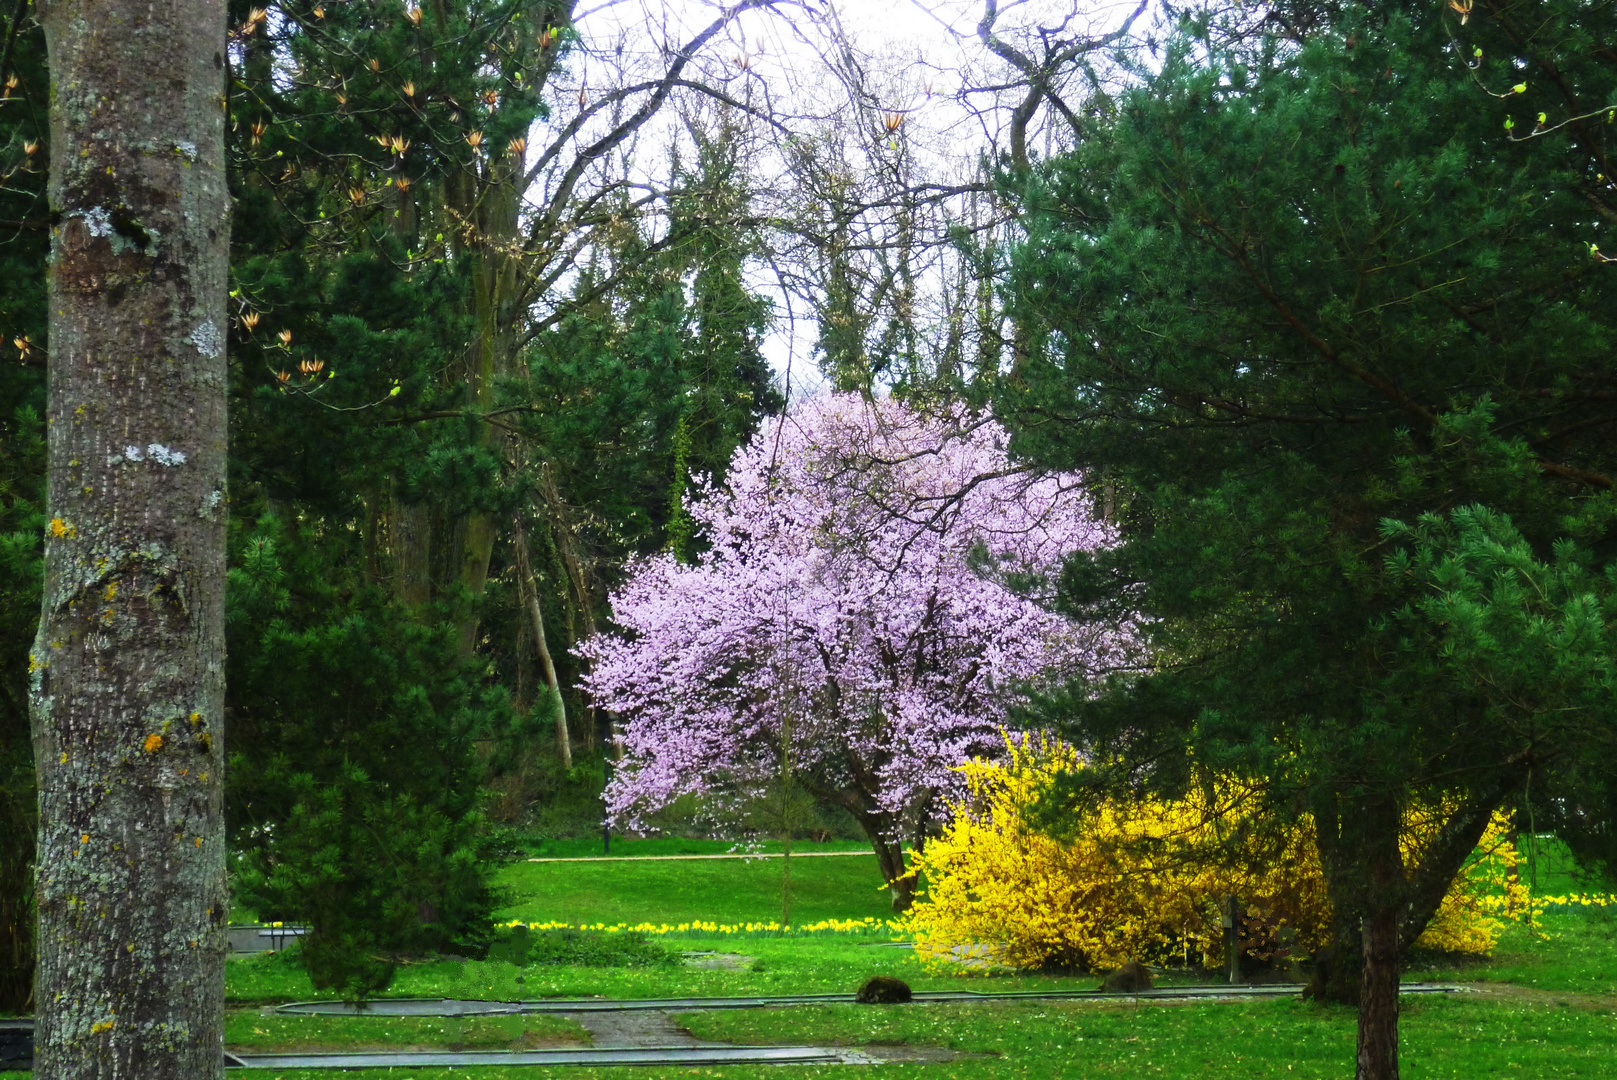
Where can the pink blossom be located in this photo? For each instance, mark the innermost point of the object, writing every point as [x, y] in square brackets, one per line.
[857, 583]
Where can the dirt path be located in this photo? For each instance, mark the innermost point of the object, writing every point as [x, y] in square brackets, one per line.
[1532, 995]
[641, 1027]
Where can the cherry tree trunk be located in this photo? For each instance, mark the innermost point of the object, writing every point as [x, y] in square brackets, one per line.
[127, 672]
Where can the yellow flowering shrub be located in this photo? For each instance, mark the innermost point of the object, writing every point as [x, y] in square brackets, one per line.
[1467, 920]
[1143, 881]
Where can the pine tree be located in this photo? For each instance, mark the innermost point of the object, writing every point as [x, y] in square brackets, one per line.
[397, 433]
[361, 134]
[1335, 328]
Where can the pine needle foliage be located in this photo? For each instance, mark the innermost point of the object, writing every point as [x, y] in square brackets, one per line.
[1328, 321]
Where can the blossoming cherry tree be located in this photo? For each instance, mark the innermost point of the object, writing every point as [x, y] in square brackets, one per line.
[866, 610]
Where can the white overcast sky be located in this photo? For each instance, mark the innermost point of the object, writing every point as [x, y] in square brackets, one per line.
[908, 48]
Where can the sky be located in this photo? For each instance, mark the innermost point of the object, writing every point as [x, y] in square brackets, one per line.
[919, 58]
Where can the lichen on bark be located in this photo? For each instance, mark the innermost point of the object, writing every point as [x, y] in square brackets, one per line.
[127, 680]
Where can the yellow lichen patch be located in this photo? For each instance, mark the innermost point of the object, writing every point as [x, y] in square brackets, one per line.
[199, 841]
[154, 743]
[84, 838]
[196, 718]
[105, 1025]
[110, 592]
[60, 530]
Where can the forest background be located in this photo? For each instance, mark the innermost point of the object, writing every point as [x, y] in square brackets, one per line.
[497, 297]
[472, 378]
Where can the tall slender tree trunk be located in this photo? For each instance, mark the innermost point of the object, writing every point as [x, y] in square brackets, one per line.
[889, 858]
[409, 541]
[880, 829]
[490, 202]
[530, 597]
[127, 689]
[900, 883]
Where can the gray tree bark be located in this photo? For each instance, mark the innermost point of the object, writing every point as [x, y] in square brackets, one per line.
[530, 598]
[127, 673]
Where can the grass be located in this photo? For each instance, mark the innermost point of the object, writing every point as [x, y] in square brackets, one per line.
[1441, 1037]
[1578, 957]
[1530, 1034]
[541, 847]
[1573, 951]
[1275, 1040]
[259, 1032]
[738, 890]
[835, 964]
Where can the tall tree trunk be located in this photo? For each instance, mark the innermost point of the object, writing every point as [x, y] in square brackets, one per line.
[879, 828]
[1339, 969]
[489, 200]
[409, 541]
[530, 597]
[1378, 1000]
[127, 690]
[900, 883]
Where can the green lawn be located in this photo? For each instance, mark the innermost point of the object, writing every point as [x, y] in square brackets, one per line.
[812, 965]
[727, 890]
[263, 1031]
[1581, 957]
[1532, 1033]
[1442, 1039]
[590, 847]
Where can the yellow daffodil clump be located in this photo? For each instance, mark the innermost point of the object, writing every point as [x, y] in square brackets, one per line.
[1145, 880]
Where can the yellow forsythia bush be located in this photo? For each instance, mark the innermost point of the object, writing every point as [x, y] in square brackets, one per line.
[1142, 881]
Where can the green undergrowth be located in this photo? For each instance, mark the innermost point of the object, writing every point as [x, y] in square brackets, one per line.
[258, 1032]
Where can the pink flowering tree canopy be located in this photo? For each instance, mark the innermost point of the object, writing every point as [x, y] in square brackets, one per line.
[853, 620]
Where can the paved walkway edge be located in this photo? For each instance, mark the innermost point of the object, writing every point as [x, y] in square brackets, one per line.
[639, 1055]
[453, 1007]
